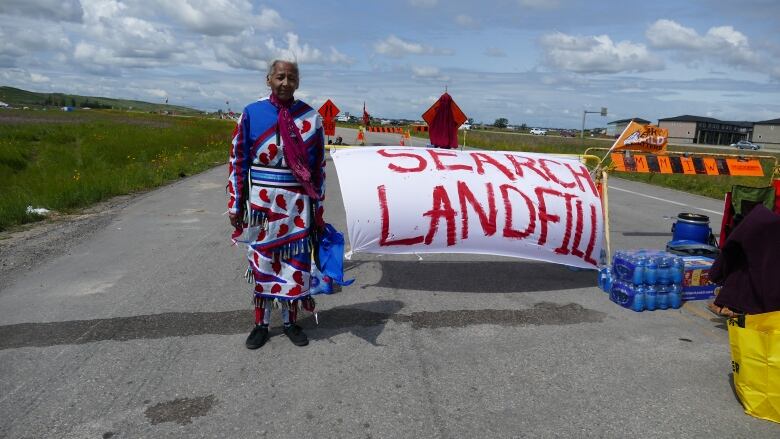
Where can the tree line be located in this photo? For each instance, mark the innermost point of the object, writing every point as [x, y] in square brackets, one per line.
[58, 100]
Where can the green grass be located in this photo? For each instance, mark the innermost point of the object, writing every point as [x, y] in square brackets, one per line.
[66, 161]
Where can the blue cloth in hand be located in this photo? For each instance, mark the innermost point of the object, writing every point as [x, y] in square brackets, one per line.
[330, 254]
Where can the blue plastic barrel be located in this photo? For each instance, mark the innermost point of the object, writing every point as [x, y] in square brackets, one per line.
[691, 227]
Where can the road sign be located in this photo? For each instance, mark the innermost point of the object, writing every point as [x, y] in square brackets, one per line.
[329, 126]
[329, 110]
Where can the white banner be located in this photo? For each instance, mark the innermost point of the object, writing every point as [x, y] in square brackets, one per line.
[425, 200]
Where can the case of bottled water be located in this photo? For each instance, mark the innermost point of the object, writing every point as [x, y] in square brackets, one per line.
[644, 279]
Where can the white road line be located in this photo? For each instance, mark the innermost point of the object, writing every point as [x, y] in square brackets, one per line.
[667, 201]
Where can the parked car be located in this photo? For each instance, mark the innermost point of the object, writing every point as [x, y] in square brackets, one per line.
[538, 132]
[746, 144]
[567, 133]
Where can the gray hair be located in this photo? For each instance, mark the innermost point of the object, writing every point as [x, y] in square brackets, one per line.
[277, 61]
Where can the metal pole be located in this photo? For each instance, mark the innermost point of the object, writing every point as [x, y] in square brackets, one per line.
[582, 132]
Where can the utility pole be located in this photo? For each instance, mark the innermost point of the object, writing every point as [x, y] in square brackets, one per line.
[603, 112]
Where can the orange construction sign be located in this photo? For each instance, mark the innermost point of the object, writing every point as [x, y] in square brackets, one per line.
[638, 137]
[329, 111]
[665, 164]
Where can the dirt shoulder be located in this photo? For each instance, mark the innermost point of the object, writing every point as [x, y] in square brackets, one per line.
[25, 247]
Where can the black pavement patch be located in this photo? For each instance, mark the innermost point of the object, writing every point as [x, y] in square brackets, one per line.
[543, 313]
[480, 277]
[180, 410]
[365, 320]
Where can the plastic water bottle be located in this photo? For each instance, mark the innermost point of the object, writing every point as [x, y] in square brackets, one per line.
[638, 304]
[651, 271]
[678, 270]
[662, 297]
[650, 297]
[639, 270]
[603, 278]
[675, 296]
[664, 271]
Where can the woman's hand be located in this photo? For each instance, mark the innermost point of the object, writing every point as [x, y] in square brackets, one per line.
[236, 220]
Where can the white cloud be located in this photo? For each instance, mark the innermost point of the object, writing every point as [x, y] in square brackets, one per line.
[428, 72]
[66, 10]
[719, 43]
[425, 72]
[219, 17]
[36, 77]
[158, 93]
[395, 47]
[597, 54]
[305, 53]
[113, 39]
[21, 41]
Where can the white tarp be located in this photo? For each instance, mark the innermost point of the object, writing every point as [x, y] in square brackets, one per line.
[424, 200]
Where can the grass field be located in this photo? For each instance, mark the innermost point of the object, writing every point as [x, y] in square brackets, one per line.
[65, 161]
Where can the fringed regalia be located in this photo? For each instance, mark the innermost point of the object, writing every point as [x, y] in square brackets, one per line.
[279, 216]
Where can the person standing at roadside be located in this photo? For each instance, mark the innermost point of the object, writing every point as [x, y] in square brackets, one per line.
[276, 189]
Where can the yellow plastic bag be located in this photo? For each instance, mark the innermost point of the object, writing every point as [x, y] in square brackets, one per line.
[755, 361]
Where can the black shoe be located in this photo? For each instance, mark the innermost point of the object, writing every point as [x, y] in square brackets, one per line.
[257, 337]
[296, 335]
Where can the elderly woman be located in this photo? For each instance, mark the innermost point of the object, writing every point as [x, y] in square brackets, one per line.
[276, 189]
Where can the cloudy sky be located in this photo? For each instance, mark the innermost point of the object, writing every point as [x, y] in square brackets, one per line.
[539, 62]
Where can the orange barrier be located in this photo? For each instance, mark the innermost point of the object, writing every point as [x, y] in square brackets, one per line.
[396, 130]
[420, 128]
[666, 164]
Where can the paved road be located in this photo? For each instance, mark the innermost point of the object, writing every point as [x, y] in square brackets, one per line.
[137, 330]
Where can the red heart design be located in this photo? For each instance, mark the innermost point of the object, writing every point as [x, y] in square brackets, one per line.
[283, 229]
[299, 222]
[261, 235]
[298, 277]
[264, 195]
[306, 126]
[295, 291]
[281, 202]
[264, 158]
[277, 266]
[299, 205]
[272, 150]
[276, 289]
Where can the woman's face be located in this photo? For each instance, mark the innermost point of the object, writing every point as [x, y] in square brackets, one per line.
[283, 80]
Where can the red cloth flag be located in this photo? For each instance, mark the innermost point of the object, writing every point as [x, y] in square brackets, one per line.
[366, 117]
[443, 118]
